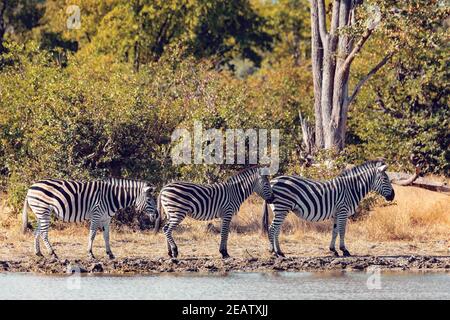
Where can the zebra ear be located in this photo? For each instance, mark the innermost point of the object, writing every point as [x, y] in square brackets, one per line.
[382, 168]
[149, 190]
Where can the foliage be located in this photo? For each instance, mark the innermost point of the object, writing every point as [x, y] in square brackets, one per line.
[288, 22]
[139, 31]
[404, 111]
[18, 18]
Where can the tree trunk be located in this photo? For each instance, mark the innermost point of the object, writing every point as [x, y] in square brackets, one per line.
[2, 25]
[332, 54]
[317, 60]
[307, 134]
[297, 48]
[136, 60]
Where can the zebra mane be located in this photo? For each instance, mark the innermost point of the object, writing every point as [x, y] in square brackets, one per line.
[243, 171]
[126, 183]
[368, 165]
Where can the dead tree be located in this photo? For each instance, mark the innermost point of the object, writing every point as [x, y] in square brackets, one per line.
[333, 52]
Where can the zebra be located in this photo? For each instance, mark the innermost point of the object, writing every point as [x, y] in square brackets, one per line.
[206, 202]
[74, 201]
[317, 201]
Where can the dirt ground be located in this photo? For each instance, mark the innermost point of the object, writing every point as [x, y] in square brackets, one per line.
[144, 252]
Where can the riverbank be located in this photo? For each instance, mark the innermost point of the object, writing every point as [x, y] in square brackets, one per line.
[145, 252]
[208, 265]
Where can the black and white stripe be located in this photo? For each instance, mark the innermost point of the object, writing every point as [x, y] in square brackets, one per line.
[317, 201]
[206, 202]
[74, 201]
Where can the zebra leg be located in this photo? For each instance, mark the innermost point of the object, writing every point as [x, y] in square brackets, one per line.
[92, 232]
[169, 249]
[106, 238]
[37, 232]
[333, 239]
[270, 236]
[225, 230]
[277, 222]
[43, 230]
[271, 230]
[174, 221]
[342, 223]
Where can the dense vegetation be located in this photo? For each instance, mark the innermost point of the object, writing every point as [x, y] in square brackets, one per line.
[104, 99]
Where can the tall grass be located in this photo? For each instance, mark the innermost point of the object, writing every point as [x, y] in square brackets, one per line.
[418, 215]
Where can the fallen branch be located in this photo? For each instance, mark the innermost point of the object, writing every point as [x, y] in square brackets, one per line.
[408, 181]
[404, 179]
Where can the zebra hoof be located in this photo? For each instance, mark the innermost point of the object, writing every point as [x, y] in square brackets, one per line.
[91, 256]
[280, 254]
[39, 255]
[345, 253]
[111, 256]
[224, 254]
[54, 256]
[335, 253]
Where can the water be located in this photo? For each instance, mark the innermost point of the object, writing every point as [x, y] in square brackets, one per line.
[282, 285]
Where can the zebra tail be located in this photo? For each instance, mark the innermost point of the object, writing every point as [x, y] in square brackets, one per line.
[160, 213]
[265, 219]
[25, 216]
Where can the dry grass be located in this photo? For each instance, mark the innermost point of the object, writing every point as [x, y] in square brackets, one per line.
[417, 223]
[418, 215]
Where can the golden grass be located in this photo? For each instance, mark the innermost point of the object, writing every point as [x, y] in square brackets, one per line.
[417, 215]
[418, 222]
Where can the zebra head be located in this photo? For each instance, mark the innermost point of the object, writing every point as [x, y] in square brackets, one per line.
[382, 184]
[263, 188]
[145, 202]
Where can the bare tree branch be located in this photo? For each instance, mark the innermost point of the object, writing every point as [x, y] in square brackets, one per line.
[409, 181]
[322, 20]
[335, 17]
[368, 75]
[307, 134]
[355, 50]
[352, 17]
[100, 152]
[317, 64]
[403, 179]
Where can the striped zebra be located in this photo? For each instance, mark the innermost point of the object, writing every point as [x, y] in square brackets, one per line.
[206, 202]
[317, 201]
[73, 201]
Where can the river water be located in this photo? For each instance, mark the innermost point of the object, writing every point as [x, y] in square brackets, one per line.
[281, 285]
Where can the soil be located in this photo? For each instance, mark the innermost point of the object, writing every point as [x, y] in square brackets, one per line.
[209, 265]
